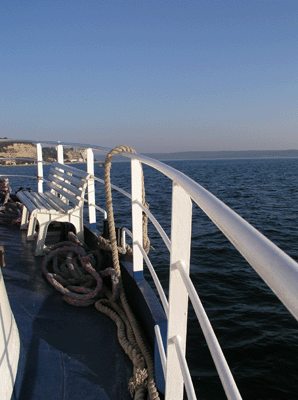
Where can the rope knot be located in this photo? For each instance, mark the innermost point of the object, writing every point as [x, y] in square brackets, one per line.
[139, 379]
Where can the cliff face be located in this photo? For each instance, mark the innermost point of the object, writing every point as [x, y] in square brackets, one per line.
[28, 150]
[25, 150]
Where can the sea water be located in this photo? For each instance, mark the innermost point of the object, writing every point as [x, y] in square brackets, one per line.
[258, 335]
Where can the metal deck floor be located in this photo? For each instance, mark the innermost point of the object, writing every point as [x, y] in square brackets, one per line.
[66, 352]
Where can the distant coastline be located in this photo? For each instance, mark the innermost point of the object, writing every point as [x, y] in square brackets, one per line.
[198, 155]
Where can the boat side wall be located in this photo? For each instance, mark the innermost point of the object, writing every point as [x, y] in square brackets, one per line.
[145, 306]
[149, 313]
[9, 345]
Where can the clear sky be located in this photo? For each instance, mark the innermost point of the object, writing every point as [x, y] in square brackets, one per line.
[155, 75]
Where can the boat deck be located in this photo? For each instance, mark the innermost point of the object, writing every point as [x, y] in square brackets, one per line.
[66, 352]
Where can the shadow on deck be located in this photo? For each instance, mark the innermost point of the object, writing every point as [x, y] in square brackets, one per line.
[66, 352]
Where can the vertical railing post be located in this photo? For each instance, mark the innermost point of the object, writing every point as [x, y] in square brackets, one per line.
[60, 157]
[178, 296]
[137, 231]
[91, 189]
[39, 168]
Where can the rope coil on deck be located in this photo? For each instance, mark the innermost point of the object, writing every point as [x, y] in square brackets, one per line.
[75, 273]
[4, 189]
[10, 211]
[78, 275]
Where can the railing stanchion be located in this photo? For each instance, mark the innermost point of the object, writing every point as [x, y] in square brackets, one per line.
[136, 196]
[178, 296]
[91, 189]
[60, 157]
[39, 168]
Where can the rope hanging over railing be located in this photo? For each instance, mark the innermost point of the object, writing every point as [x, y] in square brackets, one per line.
[137, 381]
[78, 274]
[111, 243]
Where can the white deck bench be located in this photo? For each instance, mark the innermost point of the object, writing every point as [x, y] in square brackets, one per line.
[63, 203]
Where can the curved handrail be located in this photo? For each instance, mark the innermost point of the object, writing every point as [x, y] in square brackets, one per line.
[276, 268]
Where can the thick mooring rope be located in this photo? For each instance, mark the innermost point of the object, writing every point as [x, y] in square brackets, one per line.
[10, 211]
[4, 189]
[78, 274]
[108, 191]
[73, 272]
[138, 380]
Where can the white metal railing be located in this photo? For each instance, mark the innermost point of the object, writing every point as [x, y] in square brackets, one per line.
[211, 339]
[39, 168]
[276, 268]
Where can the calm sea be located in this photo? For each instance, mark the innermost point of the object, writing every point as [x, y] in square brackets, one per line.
[257, 334]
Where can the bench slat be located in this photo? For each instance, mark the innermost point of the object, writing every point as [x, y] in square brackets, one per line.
[65, 194]
[70, 178]
[30, 196]
[67, 184]
[27, 202]
[70, 188]
[74, 171]
[51, 203]
[58, 202]
[40, 201]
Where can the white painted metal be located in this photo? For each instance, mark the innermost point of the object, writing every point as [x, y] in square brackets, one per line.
[158, 286]
[277, 269]
[19, 176]
[39, 168]
[91, 188]
[123, 241]
[60, 160]
[9, 345]
[60, 157]
[105, 215]
[157, 283]
[178, 305]
[161, 349]
[222, 367]
[126, 194]
[157, 225]
[191, 395]
[123, 238]
[125, 230]
[136, 197]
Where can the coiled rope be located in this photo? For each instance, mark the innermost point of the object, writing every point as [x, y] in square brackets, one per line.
[10, 211]
[78, 274]
[4, 189]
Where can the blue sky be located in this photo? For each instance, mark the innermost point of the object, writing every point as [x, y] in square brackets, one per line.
[155, 75]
